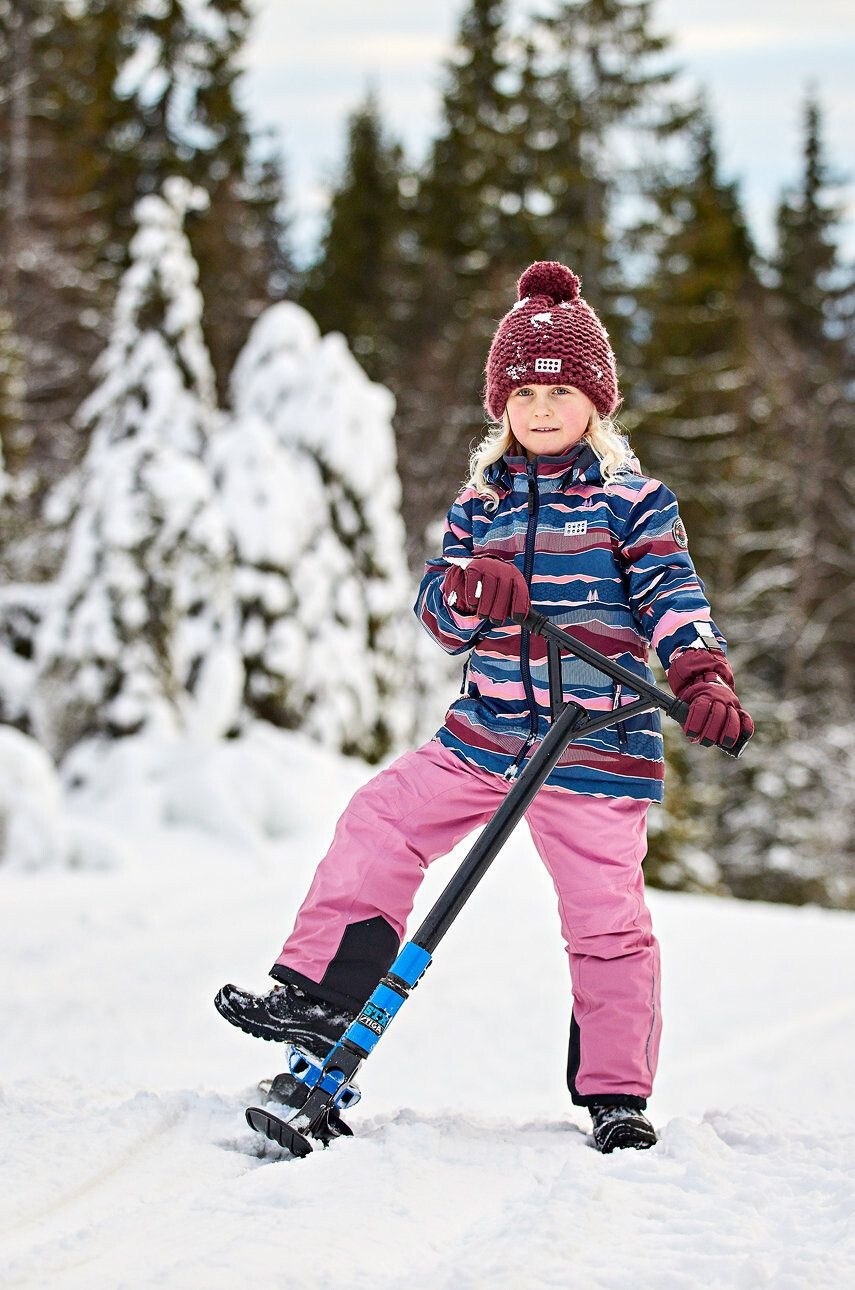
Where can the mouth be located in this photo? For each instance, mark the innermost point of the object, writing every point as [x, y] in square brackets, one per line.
[545, 429]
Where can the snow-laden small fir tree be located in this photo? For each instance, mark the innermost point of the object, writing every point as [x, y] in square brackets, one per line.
[308, 474]
[141, 632]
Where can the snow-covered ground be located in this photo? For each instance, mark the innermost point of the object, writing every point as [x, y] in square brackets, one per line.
[125, 1160]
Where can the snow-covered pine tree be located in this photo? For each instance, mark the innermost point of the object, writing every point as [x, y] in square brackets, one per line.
[53, 295]
[22, 607]
[698, 422]
[48, 194]
[141, 631]
[602, 83]
[181, 78]
[789, 831]
[354, 286]
[814, 285]
[20, 602]
[11, 390]
[725, 415]
[465, 263]
[8, 417]
[307, 473]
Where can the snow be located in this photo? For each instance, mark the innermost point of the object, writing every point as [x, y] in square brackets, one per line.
[126, 1159]
[37, 828]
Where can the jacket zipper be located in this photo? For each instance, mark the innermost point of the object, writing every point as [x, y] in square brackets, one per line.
[621, 725]
[525, 642]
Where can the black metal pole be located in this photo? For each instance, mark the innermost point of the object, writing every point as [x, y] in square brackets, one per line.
[495, 832]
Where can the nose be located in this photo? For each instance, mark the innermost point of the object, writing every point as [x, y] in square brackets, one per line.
[542, 407]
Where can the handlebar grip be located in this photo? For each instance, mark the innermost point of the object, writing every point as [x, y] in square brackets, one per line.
[737, 748]
[680, 712]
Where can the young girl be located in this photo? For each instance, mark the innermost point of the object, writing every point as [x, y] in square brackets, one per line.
[556, 514]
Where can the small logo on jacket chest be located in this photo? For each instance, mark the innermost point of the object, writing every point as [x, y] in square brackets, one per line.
[573, 527]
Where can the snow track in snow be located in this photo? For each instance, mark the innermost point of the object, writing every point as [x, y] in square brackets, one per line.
[82, 1162]
[437, 1201]
[126, 1163]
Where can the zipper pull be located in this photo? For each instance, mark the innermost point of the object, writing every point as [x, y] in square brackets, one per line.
[511, 771]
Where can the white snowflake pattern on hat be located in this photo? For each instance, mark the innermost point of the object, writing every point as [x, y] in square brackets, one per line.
[537, 320]
[515, 372]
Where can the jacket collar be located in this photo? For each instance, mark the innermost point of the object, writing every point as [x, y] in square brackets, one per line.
[579, 465]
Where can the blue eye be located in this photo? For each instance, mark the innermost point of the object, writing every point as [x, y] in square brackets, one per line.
[556, 389]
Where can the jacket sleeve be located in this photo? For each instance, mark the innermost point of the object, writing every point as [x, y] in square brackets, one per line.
[665, 593]
[454, 632]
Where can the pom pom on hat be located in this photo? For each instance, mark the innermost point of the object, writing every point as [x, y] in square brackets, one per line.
[549, 278]
[551, 335]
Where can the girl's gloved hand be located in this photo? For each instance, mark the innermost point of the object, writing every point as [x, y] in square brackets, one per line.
[703, 679]
[493, 588]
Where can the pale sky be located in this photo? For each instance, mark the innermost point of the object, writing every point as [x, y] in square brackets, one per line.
[309, 63]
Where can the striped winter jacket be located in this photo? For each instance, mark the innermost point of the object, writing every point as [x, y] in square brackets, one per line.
[614, 569]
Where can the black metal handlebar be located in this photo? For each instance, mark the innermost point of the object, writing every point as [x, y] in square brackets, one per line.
[570, 721]
[649, 695]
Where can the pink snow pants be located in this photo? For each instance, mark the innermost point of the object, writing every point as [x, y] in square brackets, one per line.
[418, 809]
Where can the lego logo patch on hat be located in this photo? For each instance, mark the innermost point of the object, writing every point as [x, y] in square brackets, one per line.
[678, 532]
[547, 364]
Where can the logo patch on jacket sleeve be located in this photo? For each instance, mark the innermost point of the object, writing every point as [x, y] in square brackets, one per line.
[573, 527]
[678, 532]
[706, 636]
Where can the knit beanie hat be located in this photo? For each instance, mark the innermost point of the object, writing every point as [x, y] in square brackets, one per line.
[550, 335]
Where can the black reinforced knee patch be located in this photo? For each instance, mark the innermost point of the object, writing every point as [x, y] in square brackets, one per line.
[365, 953]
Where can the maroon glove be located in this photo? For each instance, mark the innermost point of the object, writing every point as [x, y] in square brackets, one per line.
[493, 588]
[703, 679]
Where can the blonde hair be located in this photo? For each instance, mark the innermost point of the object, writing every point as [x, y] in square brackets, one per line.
[608, 442]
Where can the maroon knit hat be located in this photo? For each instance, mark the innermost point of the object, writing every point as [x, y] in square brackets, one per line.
[551, 334]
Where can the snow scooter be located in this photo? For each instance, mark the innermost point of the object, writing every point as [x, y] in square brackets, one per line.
[312, 1094]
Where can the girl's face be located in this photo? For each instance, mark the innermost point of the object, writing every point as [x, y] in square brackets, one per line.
[548, 419]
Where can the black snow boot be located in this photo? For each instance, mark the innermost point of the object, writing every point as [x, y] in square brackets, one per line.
[621, 1126]
[287, 1014]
